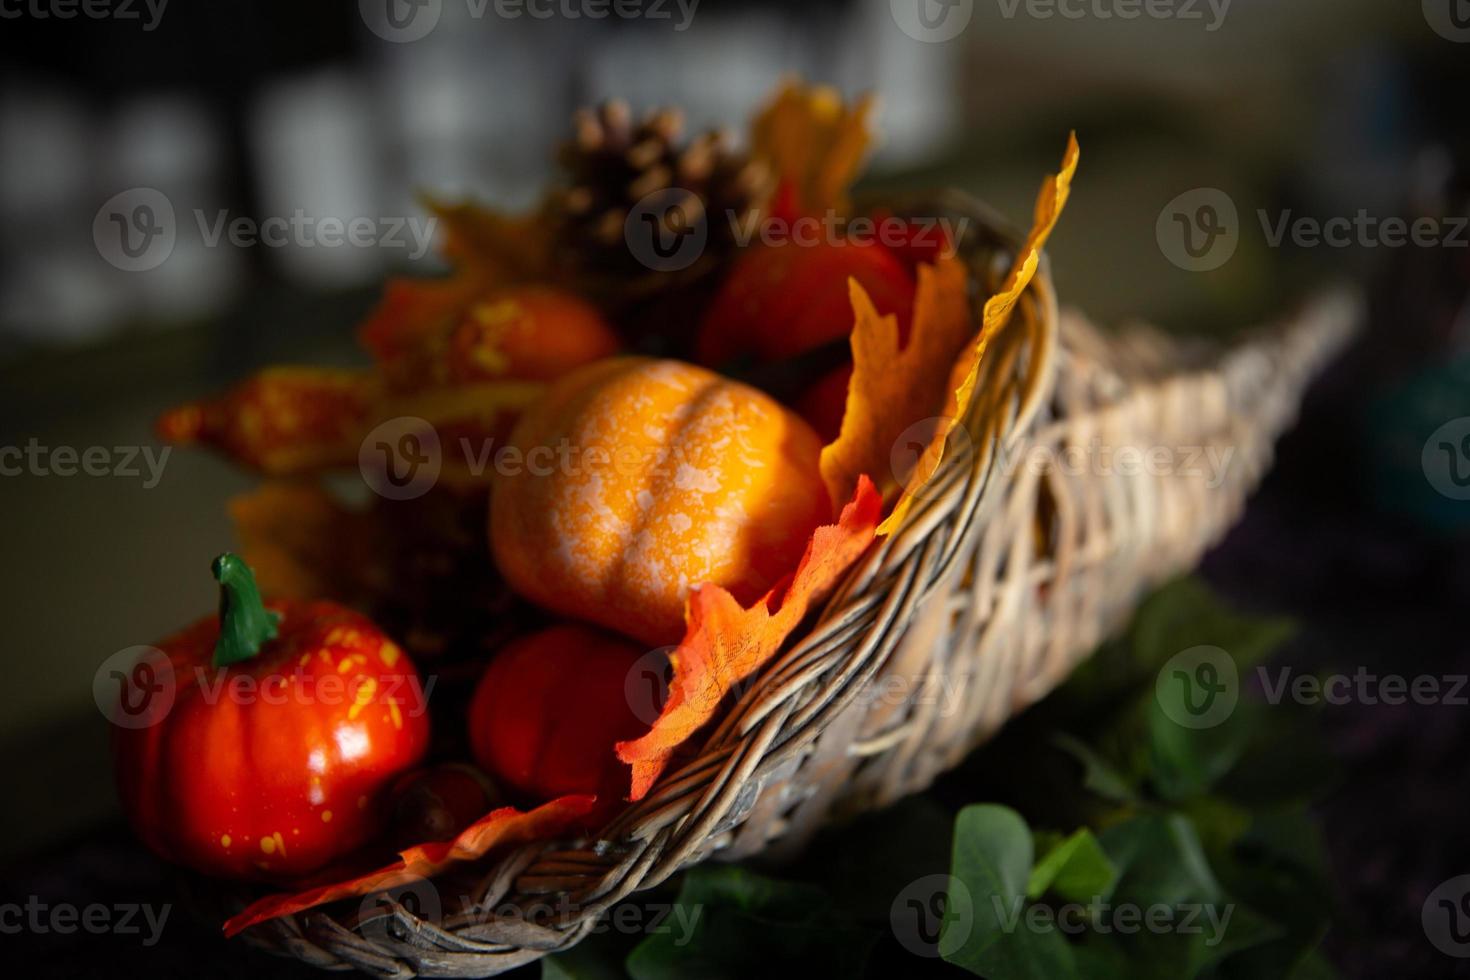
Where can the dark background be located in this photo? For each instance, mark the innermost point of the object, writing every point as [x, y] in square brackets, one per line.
[1322, 108]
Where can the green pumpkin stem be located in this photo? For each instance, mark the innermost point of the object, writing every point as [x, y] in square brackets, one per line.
[245, 625]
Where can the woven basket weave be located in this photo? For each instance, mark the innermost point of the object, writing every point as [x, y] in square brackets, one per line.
[1006, 573]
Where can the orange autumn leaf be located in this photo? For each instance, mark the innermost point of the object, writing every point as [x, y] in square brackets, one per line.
[814, 143]
[496, 247]
[497, 828]
[724, 643]
[303, 543]
[893, 389]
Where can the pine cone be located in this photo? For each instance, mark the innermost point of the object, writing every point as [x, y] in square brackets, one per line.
[613, 164]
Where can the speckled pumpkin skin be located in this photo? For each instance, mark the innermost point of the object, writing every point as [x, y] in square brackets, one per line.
[651, 477]
[272, 768]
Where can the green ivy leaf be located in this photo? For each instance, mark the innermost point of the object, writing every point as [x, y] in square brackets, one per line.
[1098, 774]
[1075, 869]
[744, 923]
[992, 859]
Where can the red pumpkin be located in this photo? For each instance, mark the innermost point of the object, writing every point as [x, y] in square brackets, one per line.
[779, 301]
[549, 710]
[289, 723]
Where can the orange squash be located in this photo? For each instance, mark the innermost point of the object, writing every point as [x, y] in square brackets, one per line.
[548, 711]
[639, 479]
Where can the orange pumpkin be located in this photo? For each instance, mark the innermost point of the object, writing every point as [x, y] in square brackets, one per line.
[783, 300]
[640, 479]
[549, 710]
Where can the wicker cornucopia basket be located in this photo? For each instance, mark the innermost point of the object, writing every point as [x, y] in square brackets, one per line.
[1089, 467]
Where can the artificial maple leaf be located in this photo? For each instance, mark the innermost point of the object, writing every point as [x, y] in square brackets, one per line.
[724, 643]
[814, 143]
[495, 247]
[302, 543]
[497, 828]
[909, 397]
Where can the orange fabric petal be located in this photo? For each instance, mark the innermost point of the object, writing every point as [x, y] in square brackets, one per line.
[724, 644]
[506, 825]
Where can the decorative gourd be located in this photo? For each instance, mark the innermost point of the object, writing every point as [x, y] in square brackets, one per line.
[288, 724]
[779, 301]
[640, 479]
[550, 708]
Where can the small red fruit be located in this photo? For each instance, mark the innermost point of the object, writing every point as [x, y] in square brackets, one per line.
[549, 710]
[783, 300]
[289, 722]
